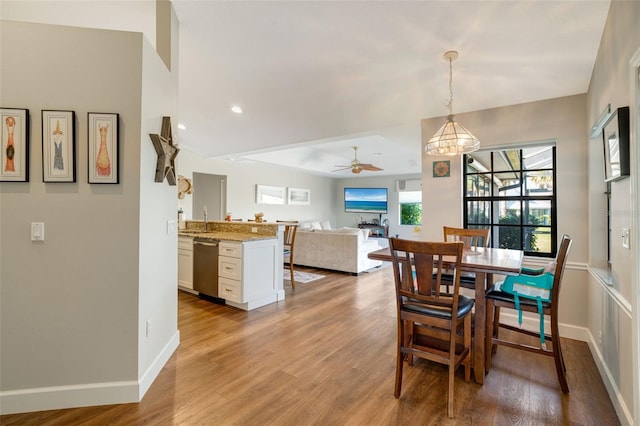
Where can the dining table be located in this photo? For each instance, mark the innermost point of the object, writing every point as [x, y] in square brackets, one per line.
[483, 262]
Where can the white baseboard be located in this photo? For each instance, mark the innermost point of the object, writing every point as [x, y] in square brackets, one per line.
[624, 415]
[85, 395]
[584, 335]
[154, 369]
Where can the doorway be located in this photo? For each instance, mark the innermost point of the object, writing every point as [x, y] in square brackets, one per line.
[210, 194]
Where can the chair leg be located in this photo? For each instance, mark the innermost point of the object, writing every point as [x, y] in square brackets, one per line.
[452, 370]
[490, 332]
[496, 327]
[399, 360]
[557, 356]
[293, 283]
[467, 345]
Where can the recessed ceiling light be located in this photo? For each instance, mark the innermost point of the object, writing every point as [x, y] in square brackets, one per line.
[182, 126]
[236, 109]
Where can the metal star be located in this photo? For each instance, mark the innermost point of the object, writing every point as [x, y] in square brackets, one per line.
[167, 153]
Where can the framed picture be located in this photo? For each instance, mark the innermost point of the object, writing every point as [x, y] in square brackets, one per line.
[270, 194]
[15, 145]
[299, 196]
[103, 147]
[441, 168]
[58, 146]
[615, 140]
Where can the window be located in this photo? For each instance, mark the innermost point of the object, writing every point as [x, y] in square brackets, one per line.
[410, 207]
[513, 192]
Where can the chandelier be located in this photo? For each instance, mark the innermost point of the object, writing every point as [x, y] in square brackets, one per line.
[452, 138]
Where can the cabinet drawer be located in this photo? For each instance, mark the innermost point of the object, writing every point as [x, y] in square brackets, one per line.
[230, 267]
[229, 290]
[230, 249]
[185, 243]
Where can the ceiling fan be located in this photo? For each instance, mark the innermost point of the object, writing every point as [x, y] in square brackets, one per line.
[356, 166]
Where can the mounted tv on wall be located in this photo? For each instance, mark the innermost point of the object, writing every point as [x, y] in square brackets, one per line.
[365, 200]
[615, 139]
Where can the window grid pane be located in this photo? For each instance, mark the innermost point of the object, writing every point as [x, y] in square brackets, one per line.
[513, 192]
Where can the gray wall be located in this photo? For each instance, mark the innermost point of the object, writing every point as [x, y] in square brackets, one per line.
[74, 307]
[562, 120]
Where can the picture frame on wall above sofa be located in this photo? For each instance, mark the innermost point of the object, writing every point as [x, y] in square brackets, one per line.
[299, 196]
[270, 194]
[15, 145]
[58, 146]
[615, 141]
[103, 147]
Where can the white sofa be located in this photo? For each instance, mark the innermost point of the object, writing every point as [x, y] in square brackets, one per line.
[343, 249]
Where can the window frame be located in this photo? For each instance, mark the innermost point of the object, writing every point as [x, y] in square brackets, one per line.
[493, 199]
[400, 204]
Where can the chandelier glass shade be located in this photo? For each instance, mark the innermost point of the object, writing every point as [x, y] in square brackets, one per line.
[452, 138]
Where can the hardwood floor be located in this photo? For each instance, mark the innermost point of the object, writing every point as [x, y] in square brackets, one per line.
[326, 356]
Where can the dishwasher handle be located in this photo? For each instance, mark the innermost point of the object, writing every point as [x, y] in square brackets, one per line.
[200, 243]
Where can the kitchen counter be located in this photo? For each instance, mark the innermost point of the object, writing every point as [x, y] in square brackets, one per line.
[230, 231]
[226, 236]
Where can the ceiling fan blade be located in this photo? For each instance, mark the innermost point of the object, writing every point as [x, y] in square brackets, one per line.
[369, 167]
[341, 169]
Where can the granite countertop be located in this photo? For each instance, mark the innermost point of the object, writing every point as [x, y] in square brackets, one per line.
[226, 236]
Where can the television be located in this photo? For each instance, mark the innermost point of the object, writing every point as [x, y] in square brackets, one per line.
[365, 200]
[615, 140]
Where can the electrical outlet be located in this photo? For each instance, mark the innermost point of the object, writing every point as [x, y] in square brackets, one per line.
[254, 229]
[148, 328]
[600, 339]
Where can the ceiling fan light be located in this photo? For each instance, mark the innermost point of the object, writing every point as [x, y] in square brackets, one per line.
[452, 139]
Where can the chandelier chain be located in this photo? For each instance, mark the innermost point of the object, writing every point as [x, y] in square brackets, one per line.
[450, 103]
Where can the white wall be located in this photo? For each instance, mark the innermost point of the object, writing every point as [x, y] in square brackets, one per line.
[393, 215]
[70, 306]
[157, 260]
[613, 309]
[242, 178]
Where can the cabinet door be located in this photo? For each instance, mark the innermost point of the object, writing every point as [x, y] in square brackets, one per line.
[185, 268]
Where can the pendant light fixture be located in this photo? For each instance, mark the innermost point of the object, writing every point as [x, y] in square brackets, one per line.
[451, 138]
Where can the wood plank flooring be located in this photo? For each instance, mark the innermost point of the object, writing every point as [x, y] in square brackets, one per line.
[326, 356]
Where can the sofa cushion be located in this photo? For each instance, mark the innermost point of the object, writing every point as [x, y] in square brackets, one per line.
[304, 225]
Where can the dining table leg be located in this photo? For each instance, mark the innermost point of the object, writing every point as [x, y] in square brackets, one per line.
[479, 332]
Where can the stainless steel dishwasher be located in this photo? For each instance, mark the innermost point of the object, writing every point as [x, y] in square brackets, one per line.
[205, 267]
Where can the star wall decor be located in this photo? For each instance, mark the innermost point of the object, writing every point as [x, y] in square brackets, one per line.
[163, 143]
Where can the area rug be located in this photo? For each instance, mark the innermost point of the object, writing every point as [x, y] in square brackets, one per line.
[301, 277]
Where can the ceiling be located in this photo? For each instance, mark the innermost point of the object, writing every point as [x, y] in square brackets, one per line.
[315, 78]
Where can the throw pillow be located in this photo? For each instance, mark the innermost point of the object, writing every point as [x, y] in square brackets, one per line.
[325, 224]
[315, 225]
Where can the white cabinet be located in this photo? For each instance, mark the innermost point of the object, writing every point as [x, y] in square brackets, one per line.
[248, 273]
[185, 262]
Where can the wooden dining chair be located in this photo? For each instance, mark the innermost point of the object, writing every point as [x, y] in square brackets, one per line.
[290, 231]
[497, 299]
[431, 325]
[471, 237]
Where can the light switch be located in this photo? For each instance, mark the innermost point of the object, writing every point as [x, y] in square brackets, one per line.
[37, 231]
[171, 226]
[626, 235]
